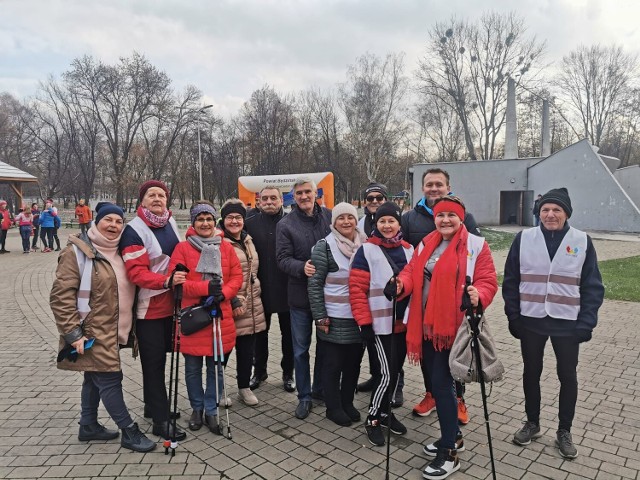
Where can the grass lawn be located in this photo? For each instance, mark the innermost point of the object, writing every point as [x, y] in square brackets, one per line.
[620, 278]
[497, 240]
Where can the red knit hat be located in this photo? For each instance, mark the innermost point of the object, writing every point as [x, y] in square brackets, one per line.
[152, 183]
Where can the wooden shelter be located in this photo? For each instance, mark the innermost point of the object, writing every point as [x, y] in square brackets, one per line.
[15, 178]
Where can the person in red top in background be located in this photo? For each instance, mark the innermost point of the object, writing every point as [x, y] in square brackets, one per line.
[84, 216]
[214, 270]
[146, 247]
[25, 221]
[5, 224]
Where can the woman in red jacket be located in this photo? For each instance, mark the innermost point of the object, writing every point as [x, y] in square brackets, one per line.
[214, 271]
[436, 276]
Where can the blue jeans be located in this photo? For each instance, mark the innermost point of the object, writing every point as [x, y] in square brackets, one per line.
[199, 397]
[301, 329]
[25, 233]
[443, 392]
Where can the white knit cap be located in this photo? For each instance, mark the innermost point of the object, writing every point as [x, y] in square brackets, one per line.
[341, 209]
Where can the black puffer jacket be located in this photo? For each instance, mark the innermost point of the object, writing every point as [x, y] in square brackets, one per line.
[418, 223]
[296, 234]
[341, 330]
[262, 228]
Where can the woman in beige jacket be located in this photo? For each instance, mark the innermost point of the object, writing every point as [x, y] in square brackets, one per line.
[92, 302]
[248, 311]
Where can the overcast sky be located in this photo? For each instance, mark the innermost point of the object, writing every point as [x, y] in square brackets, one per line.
[228, 49]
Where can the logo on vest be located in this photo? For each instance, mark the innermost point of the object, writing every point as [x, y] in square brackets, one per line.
[572, 251]
[470, 253]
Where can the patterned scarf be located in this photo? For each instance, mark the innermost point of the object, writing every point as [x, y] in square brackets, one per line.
[155, 220]
[389, 242]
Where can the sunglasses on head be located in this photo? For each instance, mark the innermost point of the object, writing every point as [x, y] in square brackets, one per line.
[372, 198]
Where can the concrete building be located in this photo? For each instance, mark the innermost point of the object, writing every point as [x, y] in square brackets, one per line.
[502, 191]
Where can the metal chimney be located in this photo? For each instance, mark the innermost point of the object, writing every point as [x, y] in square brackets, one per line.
[511, 136]
[546, 130]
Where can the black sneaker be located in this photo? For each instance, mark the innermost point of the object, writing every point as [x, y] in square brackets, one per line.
[257, 379]
[374, 431]
[288, 383]
[134, 439]
[565, 444]
[445, 463]
[528, 432]
[393, 423]
[431, 450]
[366, 386]
[96, 432]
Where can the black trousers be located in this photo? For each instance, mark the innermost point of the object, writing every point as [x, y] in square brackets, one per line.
[261, 352]
[390, 366]
[566, 350]
[340, 373]
[3, 238]
[36, 233]
[46, 235]
[154, 341]
[244, 356]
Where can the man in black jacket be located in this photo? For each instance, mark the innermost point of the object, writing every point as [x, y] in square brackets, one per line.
[262, 228]
[296, 234]
[552, 288]
[416, 224]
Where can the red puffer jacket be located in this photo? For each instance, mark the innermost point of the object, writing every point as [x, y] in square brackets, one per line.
[201, 343]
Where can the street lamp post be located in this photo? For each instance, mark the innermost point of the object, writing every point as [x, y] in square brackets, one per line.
[200, 153]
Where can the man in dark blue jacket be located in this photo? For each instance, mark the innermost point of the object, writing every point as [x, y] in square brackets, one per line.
[552, 289]
[296, 234]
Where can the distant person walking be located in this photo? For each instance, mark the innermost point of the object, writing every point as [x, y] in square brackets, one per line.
[24, 220]
[35, 211]
[47, 225]
[84, 216]
[552, 288]
[536, 210]
[6, 220]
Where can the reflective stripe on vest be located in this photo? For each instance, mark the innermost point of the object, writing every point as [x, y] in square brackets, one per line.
[380, 272]
[551, 287]
[158, 261]
[336, 286]
[84, 291]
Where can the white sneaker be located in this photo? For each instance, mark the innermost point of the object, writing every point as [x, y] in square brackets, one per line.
[246, 396]
[445, 463]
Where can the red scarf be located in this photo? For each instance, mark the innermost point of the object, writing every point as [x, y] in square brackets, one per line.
[442, 316]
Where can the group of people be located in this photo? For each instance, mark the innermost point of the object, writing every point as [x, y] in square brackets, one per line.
[389, 282]
[32, 222]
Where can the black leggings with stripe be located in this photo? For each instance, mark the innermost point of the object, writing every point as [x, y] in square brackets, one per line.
[386, 380]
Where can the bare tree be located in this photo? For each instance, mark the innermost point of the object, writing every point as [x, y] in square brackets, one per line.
[122, 96]
[371, 100]
[594, 80]
[467, 66]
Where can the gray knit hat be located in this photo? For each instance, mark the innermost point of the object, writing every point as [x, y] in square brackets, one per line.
[341, 209]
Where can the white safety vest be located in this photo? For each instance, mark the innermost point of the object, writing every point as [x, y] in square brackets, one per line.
[336, 286]
[380, 272]
[158, 261]
[551, 287]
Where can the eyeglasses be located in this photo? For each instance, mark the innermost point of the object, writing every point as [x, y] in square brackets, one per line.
[373, 198]
[234, 218]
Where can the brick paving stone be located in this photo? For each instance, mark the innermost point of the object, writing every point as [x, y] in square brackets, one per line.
[39, 408]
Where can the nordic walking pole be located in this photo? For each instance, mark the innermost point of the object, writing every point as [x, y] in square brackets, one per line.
[473, 317]
[391, 370]
[218, 321]
[217, 369]
[170, 442]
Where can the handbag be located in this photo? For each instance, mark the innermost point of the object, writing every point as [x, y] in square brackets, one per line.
[462, 359]
[195, 318]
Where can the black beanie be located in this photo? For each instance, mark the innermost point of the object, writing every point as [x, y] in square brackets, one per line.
[233, 207]
[388, 209]
[375, 188]
[559, 196]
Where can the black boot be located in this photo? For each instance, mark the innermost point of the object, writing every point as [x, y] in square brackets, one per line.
[165, 430]
[96, 432]
[134, 439]
[367, 385]
[195, 422]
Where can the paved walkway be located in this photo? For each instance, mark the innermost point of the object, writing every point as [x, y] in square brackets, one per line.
[39, 409]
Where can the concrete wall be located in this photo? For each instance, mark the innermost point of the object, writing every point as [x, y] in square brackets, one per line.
[479, 183]
[598, 200]
[629, 179]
